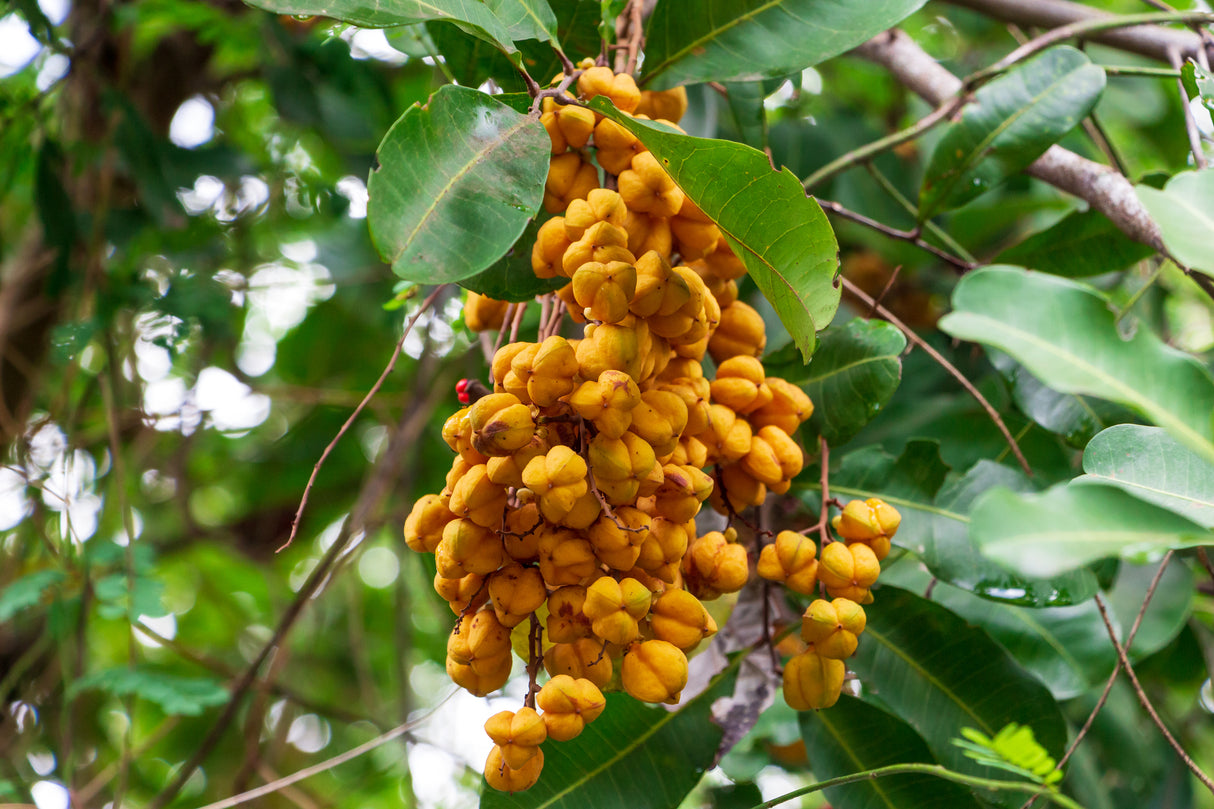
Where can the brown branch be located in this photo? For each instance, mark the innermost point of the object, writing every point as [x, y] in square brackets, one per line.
[324, 456]
[912, 236]
[948, 366]
[1152, 41]
[1146, 702]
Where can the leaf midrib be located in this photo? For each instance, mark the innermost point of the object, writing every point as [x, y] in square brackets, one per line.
[712, 33]
[843, 368]
[874, 783]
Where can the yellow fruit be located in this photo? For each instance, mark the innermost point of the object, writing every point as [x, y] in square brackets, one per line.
[812, 681]
[569, 178]
[601, 205]
[583, 658]
[549, 249]
[516, 591]
[788, 408]
[565, 558]
[566, 623]
[425, 524]
[620, 88]
[504, 778]
[518, 733]
[605, 290]
[832, 627]
[679, 618]
[670, 104]
[576, 125]
[468, 548]
[791, 559]
[478, 498]
[654, 671]
[501, 424]
[482, 313]
[848, 571]
[714, 566]
[741, 332]
[872, 522]
[464, 594]
[646, 187]
[568, 705]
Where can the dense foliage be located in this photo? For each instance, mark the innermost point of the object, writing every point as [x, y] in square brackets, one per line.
[235, 245]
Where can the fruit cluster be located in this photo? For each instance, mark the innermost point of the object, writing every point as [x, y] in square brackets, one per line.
[567, 528]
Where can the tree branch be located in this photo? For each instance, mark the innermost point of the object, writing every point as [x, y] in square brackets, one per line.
[1151, 41]
[1102, 187]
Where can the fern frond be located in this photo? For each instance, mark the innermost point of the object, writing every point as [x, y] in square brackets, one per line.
[1014, 749]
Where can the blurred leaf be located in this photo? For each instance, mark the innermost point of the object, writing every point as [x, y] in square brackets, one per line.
[950, 554]
[112, 595]
[26, 592]
[854, 373]
[743, 40]
[1070, 526]
[632, 755]
[458, 179]
[1151, 465]
[734, 796]
[1167, 613]
[512, 278]
[55, 213]
[185, 696]
[853, 736]
[940, 674]
[472, 16]
[1076, 418]
[1067, 337]
[1082, 244]
[1066, 648]
[745, 103]
[1013, 749]
[781, 235]
[1184, 210]
[526, 19]
[1010, 123]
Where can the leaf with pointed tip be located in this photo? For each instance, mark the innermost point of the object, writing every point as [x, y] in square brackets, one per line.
[1066, 335]
[457, 182]
[780, 234]
[632, 755]
[1153, 466]
[1067, 527]
[853, 736]
[743, 40]
[472, 16]
[1184, 210]
[1011, 122]
[940, 674]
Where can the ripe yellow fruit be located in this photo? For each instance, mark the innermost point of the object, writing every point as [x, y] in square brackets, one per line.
[516, 591]
[425, 524]
[679, 618]
[565, 558]
[482, 313]
[791, 559]
[504, 778]
[519, 735]
[566, 622]
[832, 627]
[848, 571]
[583, 658]
[568, 705]
[654, 671]
[812, 681]
[621, 88]
[501, 424]
[872, 522]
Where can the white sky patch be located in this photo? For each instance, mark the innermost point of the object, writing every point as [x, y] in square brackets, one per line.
[309, 733]
[17, 46]
[205, 194]
[780, 97]
[163, 625]
[55, 10]
[54, 67]
[50, 795]
[120, 537]
[248, 198]
[193, 124]
[231, 404]
[441, 335]
[41, 761]
[378, 567]
[14, 504]
[278, 298]
[354, 190]
[371, 43]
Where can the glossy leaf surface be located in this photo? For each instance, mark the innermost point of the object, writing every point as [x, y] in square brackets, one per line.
[1184, 210]
[457, 182]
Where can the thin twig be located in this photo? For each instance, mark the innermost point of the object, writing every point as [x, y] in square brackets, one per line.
[324, 456]
[911, 236]
[328, 764]
[948, 366]
[1204, 558]
[931, 227]
[1146, 702]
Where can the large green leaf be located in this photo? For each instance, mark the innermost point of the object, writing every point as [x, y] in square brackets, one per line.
[1066, 648]
[1010, 123]
[1184, 210]
[1070, 526]
[853, 736]
[1151, 465]
[473, 16]
[526, 19]
[1083, 243]
[780, 234]
[950, 553]
[940, 674]
[1076, 418]
[632, 755]
[853, 374]
[1066, 335]
[743, 40]
[458, 179]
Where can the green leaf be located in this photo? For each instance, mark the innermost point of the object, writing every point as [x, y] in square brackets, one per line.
[472, 16]
[743, 40]
[1151, 465]
[632, 755]
[1082, 244]
[781, 235]
[940, 674]
[1066, 335]
[1010, 123]
[458, 179]
[852, 376]
[1069, 526]
[26, 592]
[951, 555]
[526, 19]
[184, 696]
[853, 736]
[1076, 418]
[1013, 748]
[1167, 613]
[1184, 210]
[512, 278]
[1066, 648]
[745, 103]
